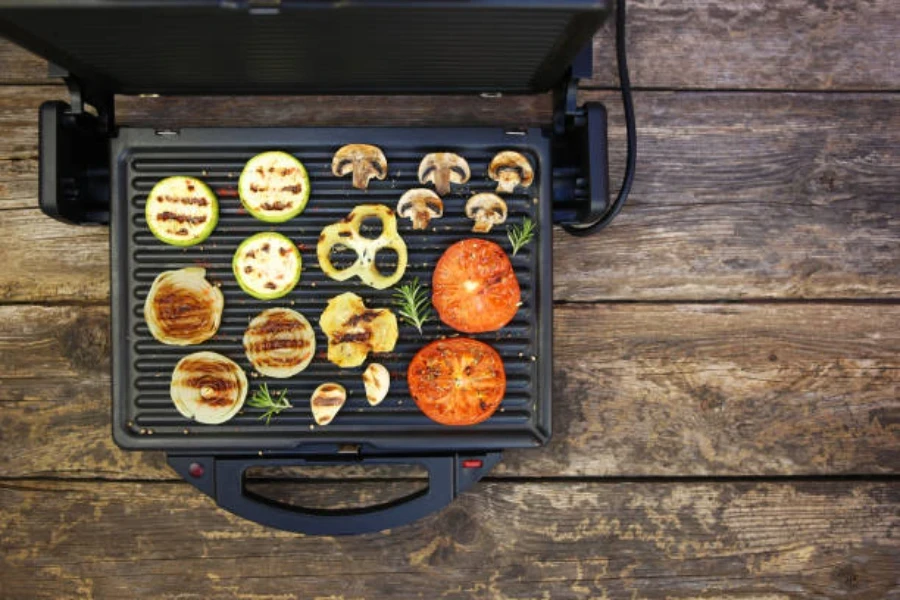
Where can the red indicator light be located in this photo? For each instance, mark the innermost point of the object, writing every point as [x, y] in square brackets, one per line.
[472, 463]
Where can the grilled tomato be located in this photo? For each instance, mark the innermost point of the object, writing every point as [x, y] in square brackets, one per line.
[181, 211]
[474, 287]
[267, 265]
[274, 187]
[457, 381]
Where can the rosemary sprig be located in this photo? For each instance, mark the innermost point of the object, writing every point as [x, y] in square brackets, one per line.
[413, 303]
[262, 398]
[519, 236]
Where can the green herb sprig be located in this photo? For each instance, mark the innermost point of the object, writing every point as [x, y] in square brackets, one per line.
[262, 398]
[413, 303]
[520, 235]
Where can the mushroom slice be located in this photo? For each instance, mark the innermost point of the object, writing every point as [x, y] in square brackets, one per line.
[487, 210]
[183, 308]
[208, 387]
[326, 401]
[377, 380]
[279, 342]
[363, 160]
[354, 330]
[442, 169]
[420, 205]
[510, 169]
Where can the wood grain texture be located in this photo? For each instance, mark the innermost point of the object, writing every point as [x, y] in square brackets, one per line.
[794, 44]
[737, 196]
[502, 540]
[639, 390]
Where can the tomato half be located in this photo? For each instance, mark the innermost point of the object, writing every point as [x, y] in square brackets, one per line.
[457, 381]
[474, 288]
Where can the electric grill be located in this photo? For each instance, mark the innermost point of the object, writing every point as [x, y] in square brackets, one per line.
[94, 172]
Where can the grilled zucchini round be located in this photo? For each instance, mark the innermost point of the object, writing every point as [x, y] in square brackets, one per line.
[274, 187]
[267, 265]
[181, 211]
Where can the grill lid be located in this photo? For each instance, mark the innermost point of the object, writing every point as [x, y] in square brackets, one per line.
[308, 46]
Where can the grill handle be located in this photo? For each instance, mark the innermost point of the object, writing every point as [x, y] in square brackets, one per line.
[224, 479]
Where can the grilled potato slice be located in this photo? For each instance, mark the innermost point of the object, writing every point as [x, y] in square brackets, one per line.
[183, 308]
[354, 330]
[274, 187]
[279, 342]
[181, 211]
[208, 387]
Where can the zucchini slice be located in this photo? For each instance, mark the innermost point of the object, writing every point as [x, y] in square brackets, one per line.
[267, 265]
[274, 187]
[181, 211]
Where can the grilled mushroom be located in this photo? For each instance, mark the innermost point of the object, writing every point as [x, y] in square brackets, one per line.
[377, 380]
[208, 387]
[487, 210]
[420, 205]
[510, 169]
[442, 169]
[363, 160]
[326, 401]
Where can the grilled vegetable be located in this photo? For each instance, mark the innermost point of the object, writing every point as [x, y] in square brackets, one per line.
[274, 187]
[442, 169]
[208, 387]
[519, 236]
[486, 210]
[420, 205]
[510, 169]
[326, 401]
[363, 161]
[345, 235]
[354, 330]
[279, 342]
[474, 288]
[413, 304]
[262, 398]
[457, 381]
[181, 211]
[267, 265]
[377, 381]
[183, 308]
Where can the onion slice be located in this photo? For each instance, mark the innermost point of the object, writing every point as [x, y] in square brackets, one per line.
[183, 308]
[208, 387]
[279, 342]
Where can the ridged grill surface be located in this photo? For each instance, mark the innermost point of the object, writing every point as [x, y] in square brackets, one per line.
[144, 409]
[414, 47]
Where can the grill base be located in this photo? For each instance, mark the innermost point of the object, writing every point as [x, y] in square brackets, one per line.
[143, 414]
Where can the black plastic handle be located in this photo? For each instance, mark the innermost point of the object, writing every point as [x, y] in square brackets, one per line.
[224, 479]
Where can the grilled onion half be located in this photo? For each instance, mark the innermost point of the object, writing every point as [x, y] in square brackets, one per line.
[279, 342]
[208, 387]
[183, 308]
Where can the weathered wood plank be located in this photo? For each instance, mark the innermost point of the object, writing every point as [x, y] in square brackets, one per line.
[649, 390]
[794, 44]
[551, 540]
[737, 196]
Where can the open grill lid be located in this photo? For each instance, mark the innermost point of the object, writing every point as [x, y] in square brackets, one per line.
[307, 46]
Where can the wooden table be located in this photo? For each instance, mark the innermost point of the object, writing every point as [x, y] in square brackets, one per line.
[726, 408]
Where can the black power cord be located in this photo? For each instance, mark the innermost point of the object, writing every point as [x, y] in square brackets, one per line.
[631, 135]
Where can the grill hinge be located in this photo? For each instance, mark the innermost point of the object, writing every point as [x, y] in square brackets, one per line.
[74, 153]
[579, 146]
